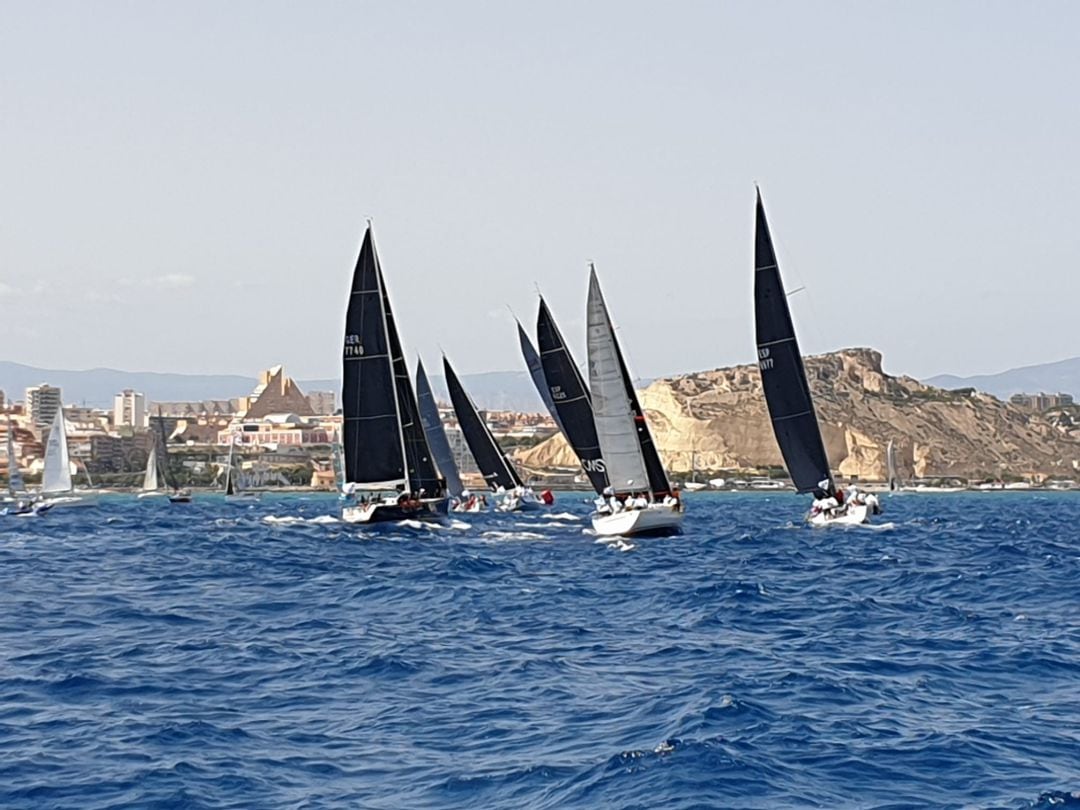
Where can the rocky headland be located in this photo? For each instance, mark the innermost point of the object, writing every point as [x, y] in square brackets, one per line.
[716, 420]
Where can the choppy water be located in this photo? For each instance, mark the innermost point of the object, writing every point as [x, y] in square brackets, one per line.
[158, 656]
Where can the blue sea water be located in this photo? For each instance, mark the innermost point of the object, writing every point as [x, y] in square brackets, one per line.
[215, 656]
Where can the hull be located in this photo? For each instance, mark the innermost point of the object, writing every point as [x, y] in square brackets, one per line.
[150, 494]
[657, 520]
[242, 498]
[526, 502]
[852, 516]
[433, 509]
[69, 501]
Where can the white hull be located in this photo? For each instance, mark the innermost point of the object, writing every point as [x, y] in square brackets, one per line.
[68, 501]
[854, 515]
[694, 486]
[152, 494]
[657, 519]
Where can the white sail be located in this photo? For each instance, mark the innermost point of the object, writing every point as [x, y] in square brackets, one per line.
[57, 474]
[612, 411]
[150, 479]
[890, 463]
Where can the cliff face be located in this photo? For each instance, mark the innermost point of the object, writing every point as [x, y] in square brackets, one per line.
[720, 417]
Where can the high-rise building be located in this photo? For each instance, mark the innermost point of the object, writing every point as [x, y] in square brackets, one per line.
[42, 402]
[129, 408]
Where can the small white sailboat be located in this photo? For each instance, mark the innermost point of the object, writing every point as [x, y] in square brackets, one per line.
[648, 504]
[787, 393]
[150, 486]
[233, 493]
[57, 487]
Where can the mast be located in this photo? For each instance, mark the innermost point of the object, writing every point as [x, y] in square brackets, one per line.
[436, 433]
[490, 458]
[571, 398]
[783, 377]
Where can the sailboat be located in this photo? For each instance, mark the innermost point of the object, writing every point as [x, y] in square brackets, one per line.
[233, 493]
[693, 485]
[386, 451]
[57, 488]
[570, 397]
[649, 505]
[498, 472]
[787, 392]
[461, 500]
[890, 467]
[176, 495]
[151, 488]
[18, 502]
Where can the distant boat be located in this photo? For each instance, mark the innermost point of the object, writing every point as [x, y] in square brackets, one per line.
[570, 397]
[498, 472]
[233, 492]
[460, 499]
[787, 392]
[890, 465]
[386, 452]
[633, 464]
[151, 487]
[693, 485]
[19, 502]
[176, 494]
[57, 488]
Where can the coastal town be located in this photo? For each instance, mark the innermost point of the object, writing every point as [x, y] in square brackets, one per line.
[710, 435]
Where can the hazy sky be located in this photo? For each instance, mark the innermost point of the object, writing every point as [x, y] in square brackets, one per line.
[183, 186]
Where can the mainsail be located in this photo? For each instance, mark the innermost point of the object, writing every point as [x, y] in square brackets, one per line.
[783, 377]
[436, 433]
[570, 396]
[490, 459]
[630, 456]
[15, 479]
[230, 484]
[56, 477]
[150, 477]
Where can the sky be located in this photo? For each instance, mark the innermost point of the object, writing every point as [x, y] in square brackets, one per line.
[184, 186]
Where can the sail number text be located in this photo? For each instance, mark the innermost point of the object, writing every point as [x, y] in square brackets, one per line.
[353, 346]
[765, 362]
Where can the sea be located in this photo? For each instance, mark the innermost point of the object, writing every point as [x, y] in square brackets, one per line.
[268, 656]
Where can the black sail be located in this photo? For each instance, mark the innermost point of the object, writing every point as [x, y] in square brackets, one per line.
[490, 459]
[570, 397]
[436, 433]
[536, 371]
[423, 478]
[783, 376]
[372, 446]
